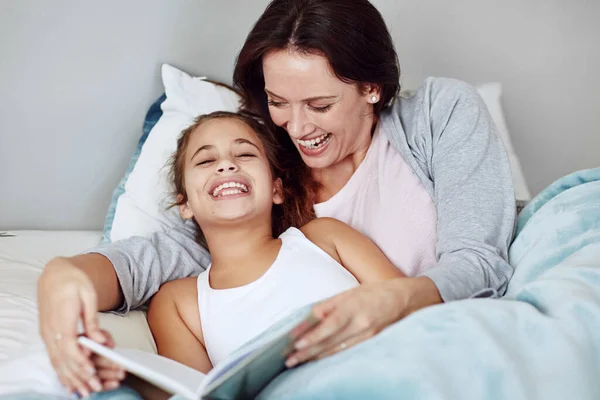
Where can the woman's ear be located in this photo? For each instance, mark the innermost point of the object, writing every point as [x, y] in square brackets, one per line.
[372, 92]
[277, 191]
[185, 211]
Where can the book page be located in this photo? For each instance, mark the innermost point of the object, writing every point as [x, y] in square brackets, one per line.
[162, 372]
[243, 375]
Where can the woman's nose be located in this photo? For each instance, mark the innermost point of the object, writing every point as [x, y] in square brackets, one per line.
[298, 126]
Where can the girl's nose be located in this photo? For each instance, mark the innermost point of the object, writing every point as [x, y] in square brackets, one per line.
[226, 165]
[230, 168]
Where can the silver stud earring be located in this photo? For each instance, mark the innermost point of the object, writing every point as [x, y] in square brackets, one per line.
[374, 99]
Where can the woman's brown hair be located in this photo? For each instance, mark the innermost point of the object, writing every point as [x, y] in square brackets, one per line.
[298, 193]
[351, 34]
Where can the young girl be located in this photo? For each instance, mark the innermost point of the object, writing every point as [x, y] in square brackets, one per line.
[245, 198]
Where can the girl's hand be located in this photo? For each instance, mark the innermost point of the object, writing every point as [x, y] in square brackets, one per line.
[360, 313]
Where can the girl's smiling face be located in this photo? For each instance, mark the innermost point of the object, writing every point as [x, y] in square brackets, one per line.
[227, 175]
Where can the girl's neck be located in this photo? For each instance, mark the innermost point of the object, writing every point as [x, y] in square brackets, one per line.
[232, 247]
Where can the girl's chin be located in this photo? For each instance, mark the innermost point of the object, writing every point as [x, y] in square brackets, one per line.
[227, 213]
[227, 220]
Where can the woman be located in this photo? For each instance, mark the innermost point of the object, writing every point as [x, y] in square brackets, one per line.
[425, 177]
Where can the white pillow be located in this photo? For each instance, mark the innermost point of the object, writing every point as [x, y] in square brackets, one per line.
[492, 96]
[143, 208]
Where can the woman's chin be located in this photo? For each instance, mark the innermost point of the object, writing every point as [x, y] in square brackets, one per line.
[318, 160]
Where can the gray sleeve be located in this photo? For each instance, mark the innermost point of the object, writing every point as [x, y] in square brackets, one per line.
[143, 264]
[473, 191]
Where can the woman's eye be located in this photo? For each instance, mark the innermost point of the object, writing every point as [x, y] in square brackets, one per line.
[320, 109]
[274, 103]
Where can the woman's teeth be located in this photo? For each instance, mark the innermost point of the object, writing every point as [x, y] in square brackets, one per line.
[315, 143]
[229, 188]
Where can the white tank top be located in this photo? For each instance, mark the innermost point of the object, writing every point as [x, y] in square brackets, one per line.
[301, 274]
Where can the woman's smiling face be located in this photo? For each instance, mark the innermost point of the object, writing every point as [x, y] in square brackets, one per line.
[327, 118]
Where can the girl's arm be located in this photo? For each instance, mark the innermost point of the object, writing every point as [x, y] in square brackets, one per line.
[356, 252]
[174, 320]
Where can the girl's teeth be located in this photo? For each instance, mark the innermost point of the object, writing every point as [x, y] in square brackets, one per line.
[230, 192]
[221, 189]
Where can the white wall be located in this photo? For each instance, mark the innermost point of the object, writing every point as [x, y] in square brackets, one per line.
[546, 53]
[77, 77]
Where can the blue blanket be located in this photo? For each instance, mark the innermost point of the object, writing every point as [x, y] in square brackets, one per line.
[540, 341]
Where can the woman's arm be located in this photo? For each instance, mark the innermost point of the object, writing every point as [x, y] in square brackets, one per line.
[119, 275]
[69, 290]
[143, 264]
[459, 156]
[356, 252]
[98, 269]
[473, 191]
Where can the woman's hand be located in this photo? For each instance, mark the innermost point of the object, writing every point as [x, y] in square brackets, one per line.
[109, 373]
[360, 313]
[66, 295]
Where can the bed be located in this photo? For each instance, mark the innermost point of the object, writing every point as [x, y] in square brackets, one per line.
[558, 231]
[23, 255]
[540, 341]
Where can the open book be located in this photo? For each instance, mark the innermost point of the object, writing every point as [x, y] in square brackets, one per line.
[243, 375]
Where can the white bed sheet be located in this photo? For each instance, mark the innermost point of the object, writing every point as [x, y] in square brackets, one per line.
[22, 259]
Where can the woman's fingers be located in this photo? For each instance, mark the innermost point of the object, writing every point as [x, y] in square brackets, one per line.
[108, 375]
[72, 365]
[111, 385]
[351, 332]
[324, 308]
[333, 320]
[315, 350]
[332, 326]
[70, 381]
[107, 370]
[63, 292]
[105, 364]
[346, 319]
[80, 368]
[109, 342]
[344, 345]
[91, 327]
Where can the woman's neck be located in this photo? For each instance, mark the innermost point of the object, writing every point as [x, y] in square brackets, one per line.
[333, 178]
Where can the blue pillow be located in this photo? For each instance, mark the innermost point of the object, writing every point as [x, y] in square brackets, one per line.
[152, 116]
